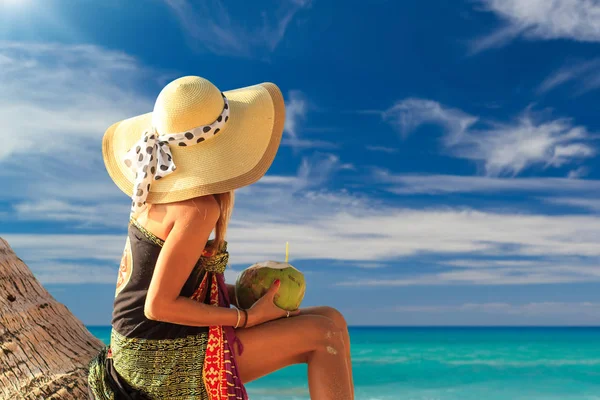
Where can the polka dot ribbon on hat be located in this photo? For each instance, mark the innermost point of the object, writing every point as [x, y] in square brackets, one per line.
[151, 159]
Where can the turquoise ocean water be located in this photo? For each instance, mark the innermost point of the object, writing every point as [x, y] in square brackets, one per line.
[456, 364]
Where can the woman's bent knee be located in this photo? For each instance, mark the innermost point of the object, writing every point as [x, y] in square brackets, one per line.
[336, 317]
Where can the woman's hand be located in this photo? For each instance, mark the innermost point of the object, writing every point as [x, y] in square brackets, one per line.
[231, 293]
[265, 309]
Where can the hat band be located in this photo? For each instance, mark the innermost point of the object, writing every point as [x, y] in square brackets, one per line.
[151, 159]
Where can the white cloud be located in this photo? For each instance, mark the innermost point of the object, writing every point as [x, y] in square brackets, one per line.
[406, 184]
[56, 102]
[382, 149]
[73, 273]
[578, 202]
[65, 195]
[525, 309]
[586, 76]
[409, 114]
[317, 170]
[543, 20]
[298, 144]
[296, 109]
[500, 148]
[359, 230]
[210, 24]
[489, 276]
[508, 149]
[52, 247]
[346, 228]
[498, 38]
[295, 112]
[578, 173]
[89, 215]
[492, 263]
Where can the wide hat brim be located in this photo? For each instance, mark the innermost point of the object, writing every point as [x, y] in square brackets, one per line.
[238, 156]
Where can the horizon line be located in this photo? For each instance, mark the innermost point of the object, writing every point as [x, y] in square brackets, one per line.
[439, 326]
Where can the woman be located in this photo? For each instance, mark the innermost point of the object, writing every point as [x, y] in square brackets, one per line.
[174, 332]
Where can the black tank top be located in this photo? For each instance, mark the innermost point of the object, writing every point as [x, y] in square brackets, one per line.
[135, 273]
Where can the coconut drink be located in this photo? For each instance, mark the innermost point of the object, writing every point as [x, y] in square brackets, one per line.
[253, 282]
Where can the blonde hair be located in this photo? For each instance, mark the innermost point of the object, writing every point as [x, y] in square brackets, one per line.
[225, 201]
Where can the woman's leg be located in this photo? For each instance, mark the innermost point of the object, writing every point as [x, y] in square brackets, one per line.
[311, 339]
[340, 322]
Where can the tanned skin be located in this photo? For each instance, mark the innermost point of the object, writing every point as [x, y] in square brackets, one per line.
[317, 336]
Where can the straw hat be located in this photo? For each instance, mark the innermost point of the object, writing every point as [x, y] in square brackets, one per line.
[197, 141]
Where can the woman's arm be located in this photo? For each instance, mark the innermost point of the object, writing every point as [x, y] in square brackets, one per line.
[194, 221]
[231, 291]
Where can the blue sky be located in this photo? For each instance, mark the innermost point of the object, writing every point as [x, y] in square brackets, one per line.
[439, 164]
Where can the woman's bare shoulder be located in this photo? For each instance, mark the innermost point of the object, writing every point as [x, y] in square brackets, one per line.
[204, 208]
[187, 214]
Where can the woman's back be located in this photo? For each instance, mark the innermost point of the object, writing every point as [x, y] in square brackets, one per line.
[141, 252]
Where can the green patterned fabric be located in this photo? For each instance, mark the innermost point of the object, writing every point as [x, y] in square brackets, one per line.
[163, 369]
[97, 377]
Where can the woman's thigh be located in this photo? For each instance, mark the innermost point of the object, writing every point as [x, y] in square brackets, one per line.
[277, 344]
